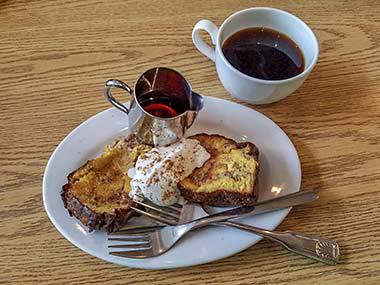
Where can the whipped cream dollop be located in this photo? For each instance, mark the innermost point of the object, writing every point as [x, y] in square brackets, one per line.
[158, 171]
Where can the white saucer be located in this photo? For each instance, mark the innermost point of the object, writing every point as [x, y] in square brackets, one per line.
[280, 173]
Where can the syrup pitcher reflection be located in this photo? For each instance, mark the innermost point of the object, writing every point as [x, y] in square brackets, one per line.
[163, 106]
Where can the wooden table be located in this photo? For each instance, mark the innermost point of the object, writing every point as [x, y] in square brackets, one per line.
[54, 59]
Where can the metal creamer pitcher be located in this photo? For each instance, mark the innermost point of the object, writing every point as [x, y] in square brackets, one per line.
[163, 106]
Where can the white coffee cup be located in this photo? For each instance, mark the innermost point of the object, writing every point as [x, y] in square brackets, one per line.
[240, 85]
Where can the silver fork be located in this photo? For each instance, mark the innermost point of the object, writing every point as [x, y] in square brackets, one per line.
[150, 241]
[146, 244]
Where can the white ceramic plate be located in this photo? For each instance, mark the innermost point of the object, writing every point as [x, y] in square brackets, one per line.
[280, 173]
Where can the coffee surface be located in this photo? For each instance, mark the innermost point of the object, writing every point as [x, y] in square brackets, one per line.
[264, 53]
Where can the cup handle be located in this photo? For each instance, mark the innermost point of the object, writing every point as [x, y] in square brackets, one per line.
[210, 28]
[107, 93]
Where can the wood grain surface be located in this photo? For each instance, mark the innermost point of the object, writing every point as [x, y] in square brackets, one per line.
[54, 59]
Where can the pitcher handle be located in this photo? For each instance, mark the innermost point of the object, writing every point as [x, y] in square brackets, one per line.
[107, 93]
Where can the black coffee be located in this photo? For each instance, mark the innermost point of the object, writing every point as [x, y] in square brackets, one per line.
[264, 53]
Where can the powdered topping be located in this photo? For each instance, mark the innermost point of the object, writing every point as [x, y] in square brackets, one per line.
[158, 171]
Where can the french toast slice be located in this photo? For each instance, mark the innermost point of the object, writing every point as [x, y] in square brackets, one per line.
[97, 193]
[228, 178]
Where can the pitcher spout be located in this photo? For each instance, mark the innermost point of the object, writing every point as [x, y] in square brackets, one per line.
[197, 102]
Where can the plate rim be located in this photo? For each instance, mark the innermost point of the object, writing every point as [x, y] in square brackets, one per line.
[98, 254]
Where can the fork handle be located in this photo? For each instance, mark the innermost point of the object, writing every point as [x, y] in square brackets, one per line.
[321, 249]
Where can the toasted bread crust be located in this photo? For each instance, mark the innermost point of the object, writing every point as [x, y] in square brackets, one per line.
[91, 219]
[220, 198]
[225, 197]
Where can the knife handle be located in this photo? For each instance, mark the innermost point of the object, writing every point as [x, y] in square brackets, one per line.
[320, 249]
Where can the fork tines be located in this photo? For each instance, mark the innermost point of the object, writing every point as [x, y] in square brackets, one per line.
[169, 215]
[135, 245]
[139, 242]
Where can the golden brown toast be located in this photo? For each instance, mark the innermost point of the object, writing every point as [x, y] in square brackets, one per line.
[97, 192]
[228, 178]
